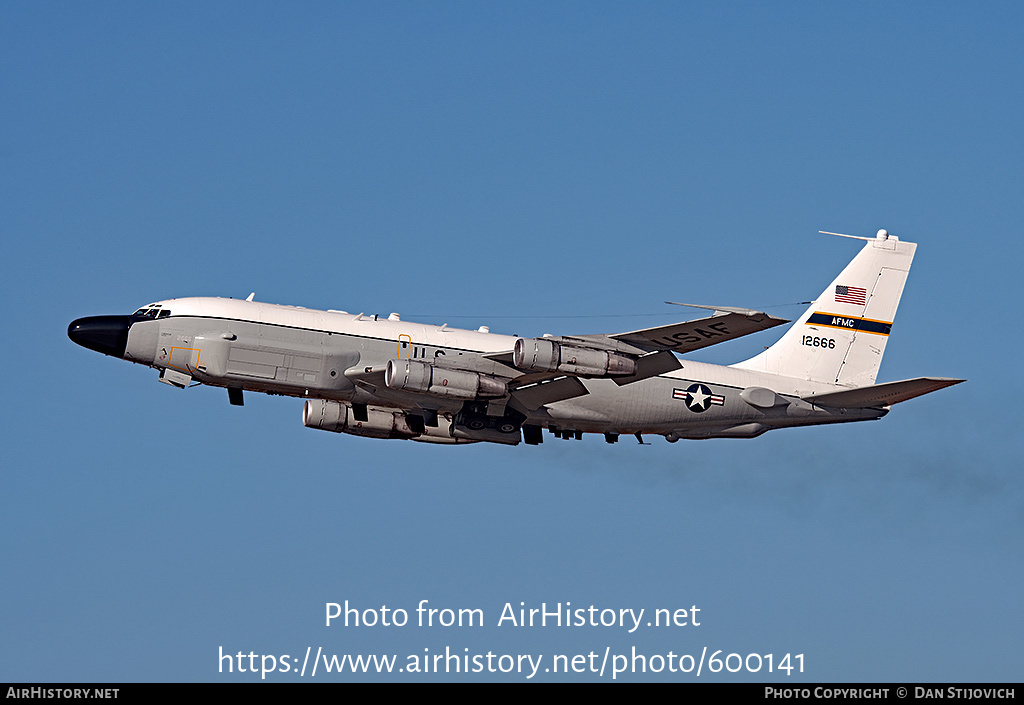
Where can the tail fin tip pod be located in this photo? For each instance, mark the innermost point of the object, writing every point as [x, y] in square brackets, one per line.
[841, 337]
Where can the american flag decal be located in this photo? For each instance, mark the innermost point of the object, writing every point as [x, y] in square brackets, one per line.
[851, 295]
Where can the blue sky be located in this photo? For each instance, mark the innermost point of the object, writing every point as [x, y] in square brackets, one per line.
[535, 167]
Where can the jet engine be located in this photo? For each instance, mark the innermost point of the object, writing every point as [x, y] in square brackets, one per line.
[337, 417]
[540, 355]
[380, 423]
[413, 376]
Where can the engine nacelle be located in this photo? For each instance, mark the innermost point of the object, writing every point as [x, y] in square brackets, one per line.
[380, 423]
[413, 376]
[540, 355]
[338, 417]
[441, 436]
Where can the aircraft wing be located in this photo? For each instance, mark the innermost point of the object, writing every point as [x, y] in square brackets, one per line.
[653, 349]
[535, 395]
[694, 335]
[370, 377]
[648, 365]
[676, 337]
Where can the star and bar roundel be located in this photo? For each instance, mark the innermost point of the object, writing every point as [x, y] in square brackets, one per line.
[698, 397]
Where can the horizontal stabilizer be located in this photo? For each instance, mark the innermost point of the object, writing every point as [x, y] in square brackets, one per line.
[882, 394]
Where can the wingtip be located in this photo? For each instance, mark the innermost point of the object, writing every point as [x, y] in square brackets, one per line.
[748, 312]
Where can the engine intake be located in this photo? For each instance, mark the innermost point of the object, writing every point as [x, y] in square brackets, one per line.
[540, 355]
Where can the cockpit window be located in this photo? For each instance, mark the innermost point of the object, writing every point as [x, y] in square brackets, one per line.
[152, 312]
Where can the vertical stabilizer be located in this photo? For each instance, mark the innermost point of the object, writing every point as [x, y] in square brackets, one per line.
[841, 337]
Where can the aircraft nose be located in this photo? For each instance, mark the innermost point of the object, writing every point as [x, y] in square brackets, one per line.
[105, 334]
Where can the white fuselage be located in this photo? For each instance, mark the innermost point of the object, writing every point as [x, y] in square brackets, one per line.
[322, 355]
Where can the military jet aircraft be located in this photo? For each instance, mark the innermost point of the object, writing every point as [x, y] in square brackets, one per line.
[387, 378]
